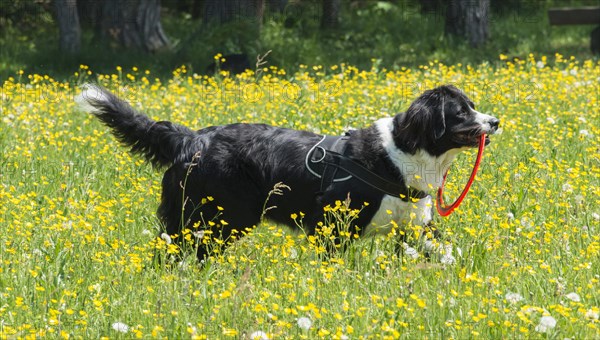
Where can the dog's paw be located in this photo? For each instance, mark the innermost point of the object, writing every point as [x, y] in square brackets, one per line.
[410, 251]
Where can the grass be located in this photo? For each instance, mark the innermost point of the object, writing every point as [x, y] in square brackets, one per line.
[78, 243]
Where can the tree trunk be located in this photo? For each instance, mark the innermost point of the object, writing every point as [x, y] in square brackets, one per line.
[331, 13]
[244, 17]
[68, 26]
[133, 23]
[277, 6]
[222, 11]
[468, 19]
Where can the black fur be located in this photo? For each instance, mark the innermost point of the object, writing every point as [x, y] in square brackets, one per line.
[239, 164]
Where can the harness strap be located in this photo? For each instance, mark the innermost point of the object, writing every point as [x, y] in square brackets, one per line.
[330, 170]
[372, 179]
[328, 155]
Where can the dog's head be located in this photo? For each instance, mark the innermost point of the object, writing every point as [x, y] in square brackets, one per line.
[440, 120]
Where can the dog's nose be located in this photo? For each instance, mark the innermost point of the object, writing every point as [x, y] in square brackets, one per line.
[494, 123]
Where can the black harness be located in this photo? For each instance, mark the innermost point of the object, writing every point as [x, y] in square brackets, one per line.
[327, 161]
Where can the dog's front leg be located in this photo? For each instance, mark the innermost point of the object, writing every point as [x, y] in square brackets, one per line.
[430, 240]
[434, 246]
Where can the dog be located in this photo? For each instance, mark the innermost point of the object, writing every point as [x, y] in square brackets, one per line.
[221, 178]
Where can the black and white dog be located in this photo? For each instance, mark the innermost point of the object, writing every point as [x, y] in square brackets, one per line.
[238, 165]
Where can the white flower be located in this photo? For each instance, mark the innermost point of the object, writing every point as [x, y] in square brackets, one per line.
[540, 64]
[304, 323]
[120, 327]
[551, 120]
[546, 323]
[573, 297]
[199, 234]
[596, 216]
[166, 238]
[293, 253]
[584, 133]
[593, 314]
[513, 297]
[573, 72]
[448, 259]
[567, 187]
[146, 232]
[528, 224]
[510, 216]
[259, 335]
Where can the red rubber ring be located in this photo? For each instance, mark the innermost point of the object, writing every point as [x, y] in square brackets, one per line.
[444, 210]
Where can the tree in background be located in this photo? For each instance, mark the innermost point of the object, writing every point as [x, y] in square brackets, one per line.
[331, 13]
[223, 11]
[68, 26]
[133, 23]
[468, 19]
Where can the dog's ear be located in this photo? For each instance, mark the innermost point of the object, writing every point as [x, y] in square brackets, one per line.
[439, 118]
[423, 123]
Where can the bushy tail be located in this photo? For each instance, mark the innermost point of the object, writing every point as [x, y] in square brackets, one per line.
[162, 143]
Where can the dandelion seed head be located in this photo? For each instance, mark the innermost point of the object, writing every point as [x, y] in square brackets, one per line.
[593, 313]
[304, 323]
[165, 237]
[513, 297]
[573, 297]
[547, 323]
[120, 327]
[259, 335]
[567, 187]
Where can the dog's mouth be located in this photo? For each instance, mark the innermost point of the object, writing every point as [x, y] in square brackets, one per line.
[470, 138]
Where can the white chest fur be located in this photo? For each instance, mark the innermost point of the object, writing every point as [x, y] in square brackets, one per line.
[421, 170]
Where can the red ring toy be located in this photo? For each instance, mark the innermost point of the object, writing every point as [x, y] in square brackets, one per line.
[445, 210]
